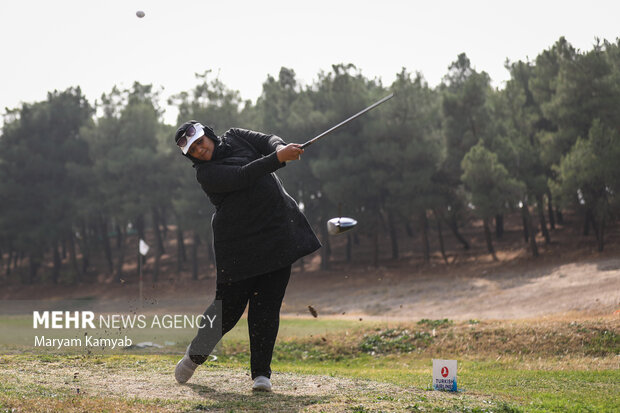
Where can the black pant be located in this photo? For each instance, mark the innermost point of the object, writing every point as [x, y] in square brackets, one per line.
[265, 293]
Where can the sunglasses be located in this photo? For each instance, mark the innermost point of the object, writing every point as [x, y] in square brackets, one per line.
[189, 133]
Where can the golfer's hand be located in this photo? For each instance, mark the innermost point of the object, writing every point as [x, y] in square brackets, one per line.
[290, 152]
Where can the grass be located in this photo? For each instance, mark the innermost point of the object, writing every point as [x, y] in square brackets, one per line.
[546, 388]
[351, 366]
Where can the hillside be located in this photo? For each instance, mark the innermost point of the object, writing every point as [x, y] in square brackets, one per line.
[568, 276]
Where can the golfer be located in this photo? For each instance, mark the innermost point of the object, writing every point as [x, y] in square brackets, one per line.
[258, 233]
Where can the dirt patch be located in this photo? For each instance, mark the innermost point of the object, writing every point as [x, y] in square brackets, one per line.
[568, 277]
[510, 291]
[485, 290]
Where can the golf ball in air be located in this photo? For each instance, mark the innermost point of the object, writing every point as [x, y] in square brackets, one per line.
[140, 13]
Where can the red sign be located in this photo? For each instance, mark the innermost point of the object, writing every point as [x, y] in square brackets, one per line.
[444, 371]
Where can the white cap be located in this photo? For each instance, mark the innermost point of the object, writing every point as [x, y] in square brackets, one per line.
[200, 132]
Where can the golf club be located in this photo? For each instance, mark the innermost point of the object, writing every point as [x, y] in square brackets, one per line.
[341, 224]
[344, 122]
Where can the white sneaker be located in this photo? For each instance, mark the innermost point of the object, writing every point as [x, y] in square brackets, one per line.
[261, 383]
[185, 368]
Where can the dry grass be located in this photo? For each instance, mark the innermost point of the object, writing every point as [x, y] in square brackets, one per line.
[474, 340]
[76, 404]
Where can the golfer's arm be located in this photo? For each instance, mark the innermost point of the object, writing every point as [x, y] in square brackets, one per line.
[265, 144]
[216, 178]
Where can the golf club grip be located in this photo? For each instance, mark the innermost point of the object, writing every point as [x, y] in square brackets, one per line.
[344, 122]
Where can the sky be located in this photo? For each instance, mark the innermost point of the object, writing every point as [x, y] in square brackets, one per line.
[52, 45]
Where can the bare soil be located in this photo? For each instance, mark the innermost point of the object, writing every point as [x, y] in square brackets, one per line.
[569, 276]
[507, 290]
[493, 291]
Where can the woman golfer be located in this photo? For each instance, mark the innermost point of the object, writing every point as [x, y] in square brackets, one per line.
[258, 232]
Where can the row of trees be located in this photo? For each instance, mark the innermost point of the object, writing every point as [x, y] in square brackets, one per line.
[77, 178]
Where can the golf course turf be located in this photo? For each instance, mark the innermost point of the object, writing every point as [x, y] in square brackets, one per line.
[333, 365]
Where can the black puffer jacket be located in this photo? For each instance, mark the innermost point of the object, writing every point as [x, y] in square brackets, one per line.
[257, 226]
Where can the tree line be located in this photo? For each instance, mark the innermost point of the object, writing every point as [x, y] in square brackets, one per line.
[78, 179]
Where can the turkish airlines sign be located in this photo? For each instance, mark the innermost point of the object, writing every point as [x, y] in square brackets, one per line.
[444, 375]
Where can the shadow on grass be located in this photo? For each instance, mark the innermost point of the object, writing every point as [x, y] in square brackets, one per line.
[257, 401]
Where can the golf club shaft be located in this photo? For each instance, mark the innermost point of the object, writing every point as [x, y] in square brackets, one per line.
[358, 114]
